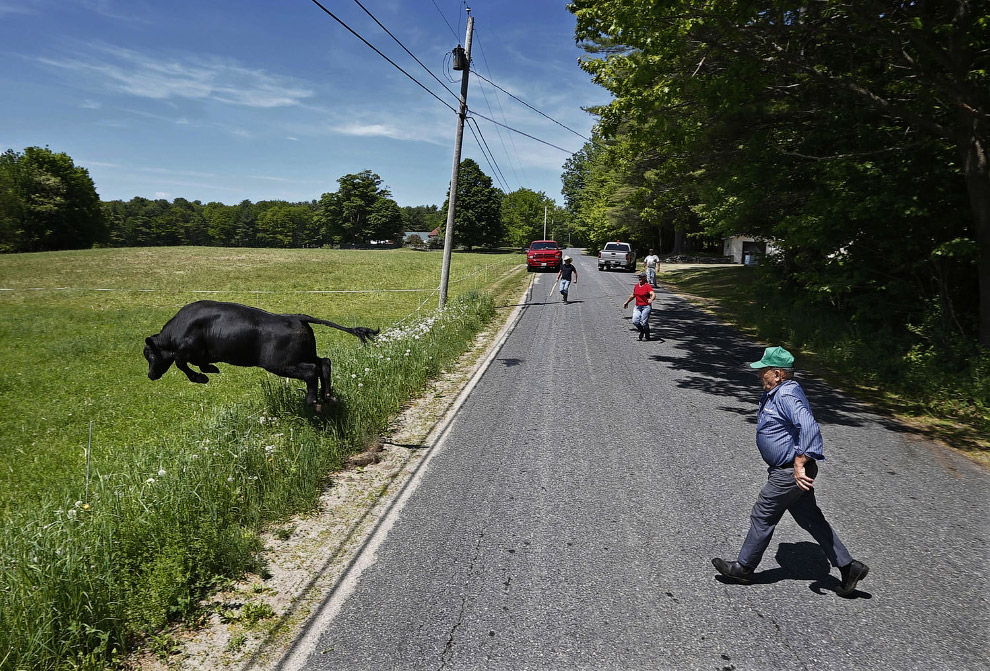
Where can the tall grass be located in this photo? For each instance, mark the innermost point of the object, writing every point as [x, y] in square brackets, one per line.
[89, 567]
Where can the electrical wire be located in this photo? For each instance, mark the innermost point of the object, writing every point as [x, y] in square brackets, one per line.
[529, 106]
[516, 130]
[445, 20]
[375, 49]
[495, 167]
[498, 102]
[442, 101]
[487, 159]
[358, 3]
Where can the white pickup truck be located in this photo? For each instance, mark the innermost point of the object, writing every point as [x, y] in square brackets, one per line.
[617, 255]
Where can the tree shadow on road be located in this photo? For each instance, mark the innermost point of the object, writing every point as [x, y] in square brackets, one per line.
[715, 358]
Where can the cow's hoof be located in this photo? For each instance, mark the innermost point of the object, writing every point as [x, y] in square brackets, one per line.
[201, 379]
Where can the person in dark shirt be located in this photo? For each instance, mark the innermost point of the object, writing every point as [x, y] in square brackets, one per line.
[790, 442]
[564, 275]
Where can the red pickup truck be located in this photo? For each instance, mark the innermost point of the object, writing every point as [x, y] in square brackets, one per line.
[543, 254]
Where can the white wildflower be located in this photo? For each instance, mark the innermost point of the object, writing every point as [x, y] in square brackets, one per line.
[161, 472]
[149, 481]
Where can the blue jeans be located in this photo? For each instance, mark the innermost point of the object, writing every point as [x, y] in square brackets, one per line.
[651, 276]
[641, 316]
[564, 284]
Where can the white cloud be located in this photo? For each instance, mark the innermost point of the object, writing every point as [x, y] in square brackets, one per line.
[163, 194]
[18, 7]
[188, 77]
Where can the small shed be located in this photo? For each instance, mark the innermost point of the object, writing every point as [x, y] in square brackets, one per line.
[746, 249]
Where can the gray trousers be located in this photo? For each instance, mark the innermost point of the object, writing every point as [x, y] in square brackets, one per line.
[782, 494]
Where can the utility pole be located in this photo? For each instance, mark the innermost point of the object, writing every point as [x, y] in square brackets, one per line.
[544, 222]
[462, 62]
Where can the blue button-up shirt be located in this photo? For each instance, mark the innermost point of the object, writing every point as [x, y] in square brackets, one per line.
[785, 427]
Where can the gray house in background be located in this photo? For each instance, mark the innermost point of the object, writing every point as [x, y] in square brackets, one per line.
[746, 249]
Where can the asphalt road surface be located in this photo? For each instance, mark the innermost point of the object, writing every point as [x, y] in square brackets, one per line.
[568, 518]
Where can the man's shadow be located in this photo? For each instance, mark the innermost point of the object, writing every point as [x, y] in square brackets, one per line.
[801, 561]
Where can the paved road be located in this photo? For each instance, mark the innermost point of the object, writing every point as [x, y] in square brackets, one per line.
[568, 519]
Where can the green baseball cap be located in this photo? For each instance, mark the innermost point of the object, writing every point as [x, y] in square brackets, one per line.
[774, 357]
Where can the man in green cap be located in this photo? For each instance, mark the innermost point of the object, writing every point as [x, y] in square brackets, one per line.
[791, 443]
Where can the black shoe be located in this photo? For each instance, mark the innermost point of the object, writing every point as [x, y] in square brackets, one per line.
[640, 335]
[733, 570]
[852, 573]
[647, 336]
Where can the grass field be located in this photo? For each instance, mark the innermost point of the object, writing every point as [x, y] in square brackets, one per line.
[180, 476]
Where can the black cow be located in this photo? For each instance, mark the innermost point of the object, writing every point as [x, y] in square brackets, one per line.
[206, 332]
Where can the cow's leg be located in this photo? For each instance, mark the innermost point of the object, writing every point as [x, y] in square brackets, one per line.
[209, 368]
[308, 373]
[182, 363]
[325, 369]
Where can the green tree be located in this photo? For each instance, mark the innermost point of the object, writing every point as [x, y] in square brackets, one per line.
[221, 223]
[355, 213]
[711, 81]
[522, 216]
[283, 225]
[47, 203]
[385, 221]
[423, 218]
[477, 217]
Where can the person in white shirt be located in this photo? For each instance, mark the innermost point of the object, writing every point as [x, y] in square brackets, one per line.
[652, 262]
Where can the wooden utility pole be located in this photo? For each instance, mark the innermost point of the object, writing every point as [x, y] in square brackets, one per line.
[448, 238]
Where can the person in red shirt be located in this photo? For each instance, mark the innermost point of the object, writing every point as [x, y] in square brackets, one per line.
[644, 296]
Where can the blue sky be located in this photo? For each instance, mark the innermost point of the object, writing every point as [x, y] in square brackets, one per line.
[274, 100]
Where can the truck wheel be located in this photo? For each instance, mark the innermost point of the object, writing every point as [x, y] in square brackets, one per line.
[529, 269]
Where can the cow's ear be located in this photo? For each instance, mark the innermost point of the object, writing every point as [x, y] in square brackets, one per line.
[150, 341]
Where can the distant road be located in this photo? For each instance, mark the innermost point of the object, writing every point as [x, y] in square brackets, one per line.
[568, 519]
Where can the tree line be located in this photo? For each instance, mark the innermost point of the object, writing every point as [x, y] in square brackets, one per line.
[48, 203]
[854, 135]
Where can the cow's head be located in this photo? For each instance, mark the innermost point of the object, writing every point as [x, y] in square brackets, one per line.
[158, 360]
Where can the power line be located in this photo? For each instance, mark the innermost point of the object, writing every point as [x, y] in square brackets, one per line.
[495, 167]
[498, 102]
[488, 160]
[442, 101]
[396, 66]
[445, 20]
[358, 3]
[529, 106]
[516, 130]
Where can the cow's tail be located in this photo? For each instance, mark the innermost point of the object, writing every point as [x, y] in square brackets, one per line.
[364, 333]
